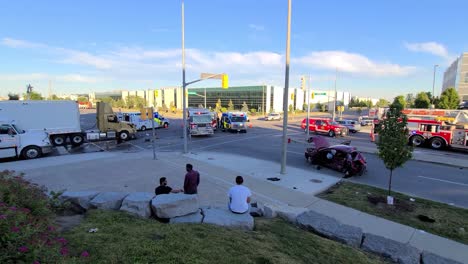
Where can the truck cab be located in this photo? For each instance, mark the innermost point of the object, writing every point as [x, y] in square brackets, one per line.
[108, 121]
[234, 121]
[16, 143]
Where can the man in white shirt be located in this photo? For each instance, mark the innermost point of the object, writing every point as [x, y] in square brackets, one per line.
[239, 197]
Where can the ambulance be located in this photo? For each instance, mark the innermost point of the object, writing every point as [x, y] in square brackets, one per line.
[234, 121]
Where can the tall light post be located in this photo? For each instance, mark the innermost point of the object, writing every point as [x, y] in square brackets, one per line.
[334, 98]
[184, 110]
[285, 93]
[433, 83]
[308, 107]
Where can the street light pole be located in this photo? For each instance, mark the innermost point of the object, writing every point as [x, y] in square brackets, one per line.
[205, 97]
[308, 107]
[184, 110]
[285, 93]
[334, 99]
[433, 82]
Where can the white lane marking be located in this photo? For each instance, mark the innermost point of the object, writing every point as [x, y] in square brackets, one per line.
[452, 182]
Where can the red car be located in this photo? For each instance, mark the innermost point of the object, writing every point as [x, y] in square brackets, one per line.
[342, 158]
[325, 126]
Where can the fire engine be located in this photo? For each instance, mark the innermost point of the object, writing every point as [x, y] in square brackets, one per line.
[200, 121]
[438, 128]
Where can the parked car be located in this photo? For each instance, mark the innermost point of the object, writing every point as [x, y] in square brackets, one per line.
[325, 126]
[343, 158]
[273, 116]
[463, 105]
[352, 125]
[367, 121]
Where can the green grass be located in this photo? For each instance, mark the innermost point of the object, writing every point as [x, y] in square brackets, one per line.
[126, 239]
[450, 222]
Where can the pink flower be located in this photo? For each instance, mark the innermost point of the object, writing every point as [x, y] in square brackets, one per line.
[62, 241]
[64, 251]
[23, 249]
[51, 228]
[15, 229]
[36, 262]
[84, 254]
[25, 210]
[2, 204]
[3, 216]
[13, 208]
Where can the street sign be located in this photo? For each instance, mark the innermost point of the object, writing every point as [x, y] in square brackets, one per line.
[320, 93]
[192, 93]
[211, 76]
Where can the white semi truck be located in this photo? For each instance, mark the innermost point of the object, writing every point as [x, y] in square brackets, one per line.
[29, 129]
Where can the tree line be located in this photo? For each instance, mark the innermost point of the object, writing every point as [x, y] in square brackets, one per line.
[449, 99]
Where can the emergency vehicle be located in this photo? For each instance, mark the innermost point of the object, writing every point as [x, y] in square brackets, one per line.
[200, 122]
[438, 128]
[234, 121]
[135, 118]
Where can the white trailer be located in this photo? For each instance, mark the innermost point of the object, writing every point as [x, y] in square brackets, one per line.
[60, 120]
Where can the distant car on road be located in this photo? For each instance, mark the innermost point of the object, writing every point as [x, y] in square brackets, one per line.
[325, 126]
[352, 125]
[463, 105]
[273, 116]
[366, 121]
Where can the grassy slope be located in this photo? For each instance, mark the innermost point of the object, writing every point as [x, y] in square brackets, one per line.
[125, 239]
[449, 219]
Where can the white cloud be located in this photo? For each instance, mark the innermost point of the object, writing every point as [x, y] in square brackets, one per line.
[17, 43]
[352, 63]
[78, 78]
[429, 47]
[256, 27]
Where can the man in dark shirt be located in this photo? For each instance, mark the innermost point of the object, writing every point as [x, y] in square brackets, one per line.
[163, 188]
[192, 179]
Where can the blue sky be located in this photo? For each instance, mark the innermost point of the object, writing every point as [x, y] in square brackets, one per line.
[380, 48]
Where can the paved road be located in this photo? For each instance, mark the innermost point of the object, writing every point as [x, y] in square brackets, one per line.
[432, 181]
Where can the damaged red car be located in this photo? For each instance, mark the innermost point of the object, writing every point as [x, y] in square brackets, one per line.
[343, 157]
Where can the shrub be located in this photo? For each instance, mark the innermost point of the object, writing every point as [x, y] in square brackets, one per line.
[26, 223]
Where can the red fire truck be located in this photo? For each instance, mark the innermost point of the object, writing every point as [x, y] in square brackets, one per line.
[438, 128]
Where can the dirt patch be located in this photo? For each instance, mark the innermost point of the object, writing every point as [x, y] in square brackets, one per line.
[67, 223]
[398, 206]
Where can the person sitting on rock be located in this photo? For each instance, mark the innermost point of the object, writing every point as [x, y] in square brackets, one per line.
[239, 197]
[163, 188]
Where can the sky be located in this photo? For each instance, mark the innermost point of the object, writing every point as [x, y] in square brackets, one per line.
[377, 49]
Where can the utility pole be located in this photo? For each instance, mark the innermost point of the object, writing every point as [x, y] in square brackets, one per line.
[433, 84]
[154, 133]
[334, 99]
[205, 97]
[184, 110]
[50, 89]
[308, 107]
[285, 93]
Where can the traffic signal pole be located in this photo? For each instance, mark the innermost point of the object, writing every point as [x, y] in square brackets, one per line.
[184, 99]
[308, 107]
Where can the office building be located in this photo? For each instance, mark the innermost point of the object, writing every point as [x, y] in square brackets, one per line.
[456, 76]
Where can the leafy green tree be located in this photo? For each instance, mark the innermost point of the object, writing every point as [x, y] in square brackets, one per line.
[230, 105]
[409, 100]
[422, 100]
[399, 103]
[382, 103]
[82, 99]
[290, 108]
[218, 106]
[392, 143]
[224, 109]
[13, 97]
[359, 111]
[245, 107]
[119, 103]
[108, 100]
[449, 99]
[54, 97]
[33, 96]
[253, 110]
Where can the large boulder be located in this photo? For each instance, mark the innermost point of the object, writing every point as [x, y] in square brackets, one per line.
[269, 211]
[430, 258]
[80, 200]
[224, 217]
[195, 218]
[330, 228]
[289, 213]
[396, 251]
[173, 205]
[138, 204]
[108, 200]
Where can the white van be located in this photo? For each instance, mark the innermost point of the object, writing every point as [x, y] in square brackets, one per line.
[135, 118]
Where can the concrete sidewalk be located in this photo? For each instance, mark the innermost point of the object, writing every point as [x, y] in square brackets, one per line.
[130, 172]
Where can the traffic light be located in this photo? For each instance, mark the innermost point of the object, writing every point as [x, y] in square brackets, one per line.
[156, 93]
[225, 81]
[292, 96]
[144, 114]
[312, 95]
[303, 83]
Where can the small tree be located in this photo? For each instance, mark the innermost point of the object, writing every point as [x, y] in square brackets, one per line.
[54, 97]
[82, 99]
[359, 111]
[224, 109]
[290, 108]
[449, 99]
[382, 103]
[218, 106]
[392, 143]
[422, 100]
[253, 110]
[230, 105]
[119, 103]
[13, 97]
[399, 103]
[33, 96]
[409, 100]
[245, 107]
